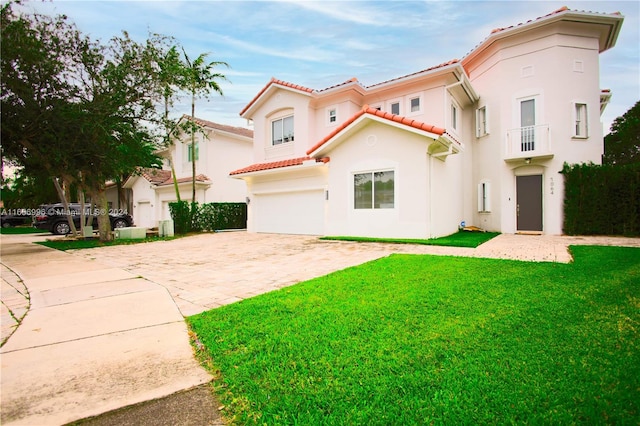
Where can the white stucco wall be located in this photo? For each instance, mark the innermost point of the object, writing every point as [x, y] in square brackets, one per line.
[428, 203]
[557, 69]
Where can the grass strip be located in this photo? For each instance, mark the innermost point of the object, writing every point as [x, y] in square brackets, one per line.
[459, 239]
[64, 245]
[412, 340]
[20, 230]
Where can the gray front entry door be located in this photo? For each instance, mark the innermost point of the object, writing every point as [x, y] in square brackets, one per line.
[529, 203]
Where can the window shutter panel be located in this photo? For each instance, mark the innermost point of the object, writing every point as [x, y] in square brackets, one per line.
[487, 196]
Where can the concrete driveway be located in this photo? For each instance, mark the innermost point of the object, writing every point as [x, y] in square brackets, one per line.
[210, 270]
[98, 329]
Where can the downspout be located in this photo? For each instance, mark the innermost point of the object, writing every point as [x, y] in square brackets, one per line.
[430, 196]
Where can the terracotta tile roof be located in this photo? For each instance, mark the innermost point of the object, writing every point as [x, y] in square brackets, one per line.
[555, 12]
[156, 176]
[269, 84]
[241, 131]
[382, 114]
[442, 65]
[161, 177]
[277, 165]
[350, 81]
[199, 178]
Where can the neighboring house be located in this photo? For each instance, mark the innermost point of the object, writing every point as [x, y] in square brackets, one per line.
[219, 150]
[479, 140]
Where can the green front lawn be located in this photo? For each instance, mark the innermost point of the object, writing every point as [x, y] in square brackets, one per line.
[413, 340]
[459, 239]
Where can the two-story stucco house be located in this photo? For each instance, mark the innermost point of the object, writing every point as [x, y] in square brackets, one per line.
[479, 140]
[220, 149]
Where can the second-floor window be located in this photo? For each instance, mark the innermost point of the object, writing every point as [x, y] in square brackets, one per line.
[415, 104]
[282, 130]
[190, 152]
[395, 108]
[333, 116]
[482, 123]
[580, 120]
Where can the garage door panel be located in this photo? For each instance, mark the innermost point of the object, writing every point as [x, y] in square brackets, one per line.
[290, 213]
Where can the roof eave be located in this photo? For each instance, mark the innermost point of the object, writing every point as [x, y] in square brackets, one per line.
[248, 110]
[407, 78]
[360, 122]
[279, 170]
[613, 20]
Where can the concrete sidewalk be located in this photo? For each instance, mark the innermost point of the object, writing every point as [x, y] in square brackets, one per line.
[95, 338]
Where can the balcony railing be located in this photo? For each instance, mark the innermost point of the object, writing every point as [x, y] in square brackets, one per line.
[528, 142]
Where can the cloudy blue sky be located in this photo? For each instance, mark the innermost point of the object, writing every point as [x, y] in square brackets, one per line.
[319, 44]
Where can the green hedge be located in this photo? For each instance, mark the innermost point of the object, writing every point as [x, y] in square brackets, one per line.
[218, 216]
[195, 217]
[602, 199]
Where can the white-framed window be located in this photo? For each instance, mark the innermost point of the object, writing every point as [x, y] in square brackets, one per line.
[282, 130]
[332, 115]
[395, 108]
[580, 122]
[374, 190]
[454, 116]
[482, 122]
[484, 197]
[414, 104]
[190, 152]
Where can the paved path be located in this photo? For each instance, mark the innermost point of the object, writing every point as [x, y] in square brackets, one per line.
[104, 327]
[95, 338]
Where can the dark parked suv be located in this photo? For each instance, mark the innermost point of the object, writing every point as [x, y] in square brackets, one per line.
[15, 218]
[53, 218]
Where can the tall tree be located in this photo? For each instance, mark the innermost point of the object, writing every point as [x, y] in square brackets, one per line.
[76, 108]
[200, 80]
[622, 145]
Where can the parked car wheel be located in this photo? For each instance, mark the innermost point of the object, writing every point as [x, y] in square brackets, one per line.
[120, 223]
[6, 225]
[61, 228]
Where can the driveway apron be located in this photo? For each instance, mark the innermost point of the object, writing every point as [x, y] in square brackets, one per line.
[95, 338]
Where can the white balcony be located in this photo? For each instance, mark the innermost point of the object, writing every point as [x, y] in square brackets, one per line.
[529, 142]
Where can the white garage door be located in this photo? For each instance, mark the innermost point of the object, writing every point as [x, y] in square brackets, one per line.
[289, 213]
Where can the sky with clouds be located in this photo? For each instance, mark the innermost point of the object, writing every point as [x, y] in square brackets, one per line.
[320, 44]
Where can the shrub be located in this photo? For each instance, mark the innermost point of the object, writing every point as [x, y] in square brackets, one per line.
[602, 200]
[193, 217]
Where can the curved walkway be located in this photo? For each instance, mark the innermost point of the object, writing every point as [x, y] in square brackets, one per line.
[105, 326]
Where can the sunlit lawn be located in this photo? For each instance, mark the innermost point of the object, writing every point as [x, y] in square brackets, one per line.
[413, 340]
[459, 239]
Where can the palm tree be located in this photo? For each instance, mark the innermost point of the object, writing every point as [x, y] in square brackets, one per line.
[170, 77]
[200, 80]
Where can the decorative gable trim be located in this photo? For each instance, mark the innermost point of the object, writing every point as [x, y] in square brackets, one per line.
[274, 82]
[382, 116]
